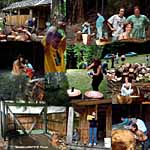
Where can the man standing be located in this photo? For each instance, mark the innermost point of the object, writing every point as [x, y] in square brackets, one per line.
[99, 25]
[116, 24]
[93, 130]
[140, 22]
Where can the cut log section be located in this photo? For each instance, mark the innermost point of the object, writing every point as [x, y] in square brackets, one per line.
[11, 37]
[93, 95]
[2, 37]
[74, 93]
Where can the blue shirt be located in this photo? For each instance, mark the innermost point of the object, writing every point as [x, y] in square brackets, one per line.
[99, 21]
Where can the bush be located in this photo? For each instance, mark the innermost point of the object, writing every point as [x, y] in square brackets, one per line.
[56, 86]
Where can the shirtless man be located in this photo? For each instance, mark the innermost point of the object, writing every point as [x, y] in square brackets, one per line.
[18, 66]
[140, 136]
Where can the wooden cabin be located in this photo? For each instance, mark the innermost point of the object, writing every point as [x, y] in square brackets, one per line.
[20, 12]
[102, 107]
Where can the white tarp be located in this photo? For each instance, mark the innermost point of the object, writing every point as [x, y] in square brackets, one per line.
[35, 110]
[42, 2]
[26, 109]
[55, 109]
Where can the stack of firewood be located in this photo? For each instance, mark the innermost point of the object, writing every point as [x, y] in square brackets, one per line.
[135, 73]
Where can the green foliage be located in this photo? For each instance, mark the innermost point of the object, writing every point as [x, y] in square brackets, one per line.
[56, 89]
[12, 87]
[126, 46]
[84, 54]
[5, 3]
[79, 79]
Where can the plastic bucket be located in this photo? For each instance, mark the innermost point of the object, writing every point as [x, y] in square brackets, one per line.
[107, 142]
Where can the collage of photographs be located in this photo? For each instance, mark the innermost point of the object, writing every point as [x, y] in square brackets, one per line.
[74, 75]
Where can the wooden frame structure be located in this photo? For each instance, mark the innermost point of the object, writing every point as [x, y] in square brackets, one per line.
[85, 105]
[5, 110]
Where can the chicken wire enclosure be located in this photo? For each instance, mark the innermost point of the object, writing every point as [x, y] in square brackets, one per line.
[22, 118]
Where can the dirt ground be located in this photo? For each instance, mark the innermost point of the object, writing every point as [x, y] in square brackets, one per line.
[27, 142]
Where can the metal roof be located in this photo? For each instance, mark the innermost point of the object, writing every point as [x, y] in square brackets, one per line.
[26, 4]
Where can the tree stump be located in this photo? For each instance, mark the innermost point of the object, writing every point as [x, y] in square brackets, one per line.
[123, 140]
[93, 95]
[74, 93]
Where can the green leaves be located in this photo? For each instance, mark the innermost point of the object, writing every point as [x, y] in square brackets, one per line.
[83, 54]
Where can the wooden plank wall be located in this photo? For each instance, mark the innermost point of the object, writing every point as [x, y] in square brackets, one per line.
[108, 121]
[17, 20]
[58, 123]
[27, 121]
[84, 124]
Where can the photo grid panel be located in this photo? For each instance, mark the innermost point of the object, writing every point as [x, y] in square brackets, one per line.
[75, 74]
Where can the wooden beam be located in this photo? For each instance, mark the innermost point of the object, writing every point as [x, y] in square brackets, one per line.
[33, 125]
[1, 127]
[17, 121]
[70, 125]
[23, 104]
[91, 101]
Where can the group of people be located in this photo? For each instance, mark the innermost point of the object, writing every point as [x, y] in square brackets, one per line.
[22, 66]
[122, 28]
[138, 128]
[133, 27]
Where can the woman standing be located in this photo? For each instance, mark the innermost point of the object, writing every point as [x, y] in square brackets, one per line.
[97, 74]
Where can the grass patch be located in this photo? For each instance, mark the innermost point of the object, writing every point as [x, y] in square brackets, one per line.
[79, 79]
[134, 59]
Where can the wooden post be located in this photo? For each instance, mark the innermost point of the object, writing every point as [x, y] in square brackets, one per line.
[38, 20]
[84, 126]
[6, 118]
[45, 119]
[108, 121]
[10, 12]
[1, 119]
[70, 125]
[18, 12]
[30, 13]
[96, 111]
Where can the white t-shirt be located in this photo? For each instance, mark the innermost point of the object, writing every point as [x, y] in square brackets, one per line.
[141, 125]
[117, 23]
